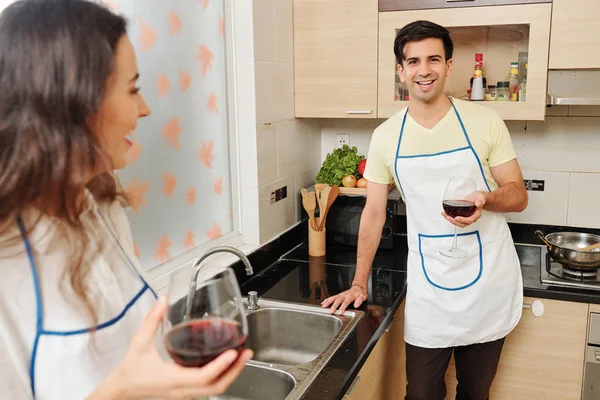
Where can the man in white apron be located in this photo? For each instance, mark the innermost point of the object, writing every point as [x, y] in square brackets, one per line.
[461, 305]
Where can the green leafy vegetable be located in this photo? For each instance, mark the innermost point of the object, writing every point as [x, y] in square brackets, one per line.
[342, 162]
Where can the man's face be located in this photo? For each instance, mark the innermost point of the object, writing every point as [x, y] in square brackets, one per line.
[424, 70]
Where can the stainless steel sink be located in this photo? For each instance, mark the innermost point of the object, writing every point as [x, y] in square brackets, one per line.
[291, 342]
[290, 337]
[260, 383]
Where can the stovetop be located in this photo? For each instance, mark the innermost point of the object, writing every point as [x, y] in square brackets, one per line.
[553, 273]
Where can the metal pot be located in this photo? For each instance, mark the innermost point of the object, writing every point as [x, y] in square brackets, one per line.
[563, 246]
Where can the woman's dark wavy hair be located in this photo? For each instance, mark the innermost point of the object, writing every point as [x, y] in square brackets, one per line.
[55, 59]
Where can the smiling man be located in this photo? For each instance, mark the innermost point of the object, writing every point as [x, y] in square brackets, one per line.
[463, 305]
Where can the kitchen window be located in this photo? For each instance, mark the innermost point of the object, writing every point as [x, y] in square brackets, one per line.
[181, 176]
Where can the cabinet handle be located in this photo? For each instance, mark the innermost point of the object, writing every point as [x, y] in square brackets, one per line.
[352, 386]
[537, 307]
[359, 112]
[457, 1]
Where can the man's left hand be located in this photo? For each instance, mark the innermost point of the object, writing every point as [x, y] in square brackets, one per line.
[480, 200]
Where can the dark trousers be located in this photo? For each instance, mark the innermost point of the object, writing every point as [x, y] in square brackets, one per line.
[476, 367]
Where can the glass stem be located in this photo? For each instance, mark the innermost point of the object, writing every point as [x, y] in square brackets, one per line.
[454, 242]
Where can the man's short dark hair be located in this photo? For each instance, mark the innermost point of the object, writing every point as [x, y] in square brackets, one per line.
[420, 30]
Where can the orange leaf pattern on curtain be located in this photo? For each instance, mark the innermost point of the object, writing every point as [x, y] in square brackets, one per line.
[180, 154]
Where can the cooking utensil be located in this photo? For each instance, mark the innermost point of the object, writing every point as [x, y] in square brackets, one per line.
[565, 248]
[332, 194]
[592, 247]
[319, 187]
[309, 202]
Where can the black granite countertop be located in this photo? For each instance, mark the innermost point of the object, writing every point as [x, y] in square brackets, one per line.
[312, 280]
[285, 271]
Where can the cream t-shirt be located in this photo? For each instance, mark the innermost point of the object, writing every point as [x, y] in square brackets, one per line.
[486, 130]
[62, 309]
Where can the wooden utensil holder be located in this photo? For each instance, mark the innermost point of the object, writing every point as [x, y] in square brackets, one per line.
[316, 241]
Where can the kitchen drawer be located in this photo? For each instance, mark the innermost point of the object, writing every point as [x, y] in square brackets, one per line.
[402, 5]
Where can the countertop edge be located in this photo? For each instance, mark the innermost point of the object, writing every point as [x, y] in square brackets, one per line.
[362, 358]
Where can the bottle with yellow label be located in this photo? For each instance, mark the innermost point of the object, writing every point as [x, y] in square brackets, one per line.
[513, 81]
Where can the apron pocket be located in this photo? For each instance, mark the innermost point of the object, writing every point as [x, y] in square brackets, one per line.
[451, 273]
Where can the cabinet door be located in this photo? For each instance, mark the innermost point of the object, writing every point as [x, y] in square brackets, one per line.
[383, 376]
[543, 356]
[575, 40]
[335, 58]
[397, 5]
[500, 33]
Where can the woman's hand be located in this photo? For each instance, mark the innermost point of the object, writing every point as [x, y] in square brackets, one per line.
[144, 374]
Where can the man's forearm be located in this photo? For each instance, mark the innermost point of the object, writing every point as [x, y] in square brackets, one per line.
[369, 235]
[511, 197]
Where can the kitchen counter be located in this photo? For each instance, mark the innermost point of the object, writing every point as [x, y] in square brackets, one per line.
[297, 277]
[310, 282]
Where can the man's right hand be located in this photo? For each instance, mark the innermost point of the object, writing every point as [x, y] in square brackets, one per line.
[341, 301]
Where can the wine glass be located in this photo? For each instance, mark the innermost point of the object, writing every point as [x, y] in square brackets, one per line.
[208, 322]
[458, 202]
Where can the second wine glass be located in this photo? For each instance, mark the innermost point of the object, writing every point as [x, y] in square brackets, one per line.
[210, 322]
[458, 202]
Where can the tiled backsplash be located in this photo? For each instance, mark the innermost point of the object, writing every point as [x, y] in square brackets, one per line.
[564, 151]
[276, 150]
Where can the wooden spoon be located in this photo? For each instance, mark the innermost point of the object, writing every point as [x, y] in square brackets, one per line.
[309, 201]
[591, 247]
[332, 194]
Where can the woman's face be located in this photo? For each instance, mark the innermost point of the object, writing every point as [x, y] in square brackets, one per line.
[121, 107]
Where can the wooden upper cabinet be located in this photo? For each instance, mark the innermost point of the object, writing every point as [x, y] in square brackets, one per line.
[335, 58]
[400, 5]
[499, 32]
[575, 40]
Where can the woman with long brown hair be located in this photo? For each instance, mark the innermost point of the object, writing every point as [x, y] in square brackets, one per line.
[77, 318]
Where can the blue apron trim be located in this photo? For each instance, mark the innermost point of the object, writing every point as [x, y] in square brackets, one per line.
[472, 149]
[469, 147]
[38, 299]
[40, 310]
[103, 325]
[445, 236]
[435, 154]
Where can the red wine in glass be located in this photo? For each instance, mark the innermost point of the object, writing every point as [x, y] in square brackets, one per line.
[198, 342]
[459, 208]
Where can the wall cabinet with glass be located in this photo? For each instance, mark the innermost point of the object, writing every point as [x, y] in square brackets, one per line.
[503, 34]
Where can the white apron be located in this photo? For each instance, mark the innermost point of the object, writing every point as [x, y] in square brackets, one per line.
[454, 302]
[65, 364]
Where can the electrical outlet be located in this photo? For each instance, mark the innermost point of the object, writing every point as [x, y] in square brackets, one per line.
[342, 140]
[278, 194]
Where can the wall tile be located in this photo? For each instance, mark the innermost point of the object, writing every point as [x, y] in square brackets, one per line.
[294, 146]
[280, 216]
[303, 179]
[284, 35]
[584, 111]
[360, 132]
[263, 12]
[583, 200]
[266, 146]
[549, 206]
[274, 92]
[563, 144]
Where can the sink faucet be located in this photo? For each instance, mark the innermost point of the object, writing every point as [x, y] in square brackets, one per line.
[197, 267]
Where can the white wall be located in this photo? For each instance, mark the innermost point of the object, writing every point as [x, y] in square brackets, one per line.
[564, 151]
[275, 149]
